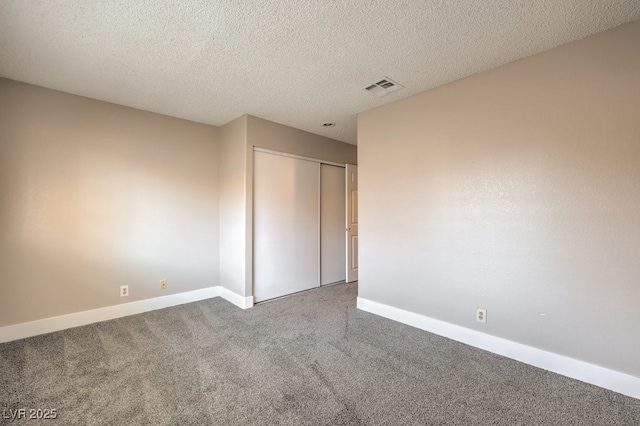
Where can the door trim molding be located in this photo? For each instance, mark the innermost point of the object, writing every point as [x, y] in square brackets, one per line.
[299, 157]
[351, 237]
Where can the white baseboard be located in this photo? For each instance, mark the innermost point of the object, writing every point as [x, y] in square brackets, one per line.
[49, 325]
[573, 368]
[236, 299]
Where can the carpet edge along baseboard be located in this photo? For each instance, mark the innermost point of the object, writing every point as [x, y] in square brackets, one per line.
[48, 325]
[589, 373]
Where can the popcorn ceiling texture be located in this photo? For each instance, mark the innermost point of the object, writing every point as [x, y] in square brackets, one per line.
[298, 63]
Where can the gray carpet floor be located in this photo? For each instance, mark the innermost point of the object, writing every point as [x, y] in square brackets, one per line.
[309, 359]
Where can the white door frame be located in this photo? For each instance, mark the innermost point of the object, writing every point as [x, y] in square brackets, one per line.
[351, 232]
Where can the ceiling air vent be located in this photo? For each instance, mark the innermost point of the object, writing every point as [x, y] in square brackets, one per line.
[384, 87]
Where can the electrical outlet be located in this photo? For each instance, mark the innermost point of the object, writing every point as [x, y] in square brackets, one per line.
[163, 284]
[124, 290]
[481, 315]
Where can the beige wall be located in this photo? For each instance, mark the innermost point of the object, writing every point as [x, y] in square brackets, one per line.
[516, 190]
[94, 196]
[238, 139]
[269, 135]
[233, 138]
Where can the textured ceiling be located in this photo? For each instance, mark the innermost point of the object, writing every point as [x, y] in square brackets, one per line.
[298, 62]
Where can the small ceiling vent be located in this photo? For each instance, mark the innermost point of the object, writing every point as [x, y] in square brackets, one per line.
[384, 87]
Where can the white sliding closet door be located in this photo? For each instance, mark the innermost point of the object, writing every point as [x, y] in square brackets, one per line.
[332, 224]
[286, 220]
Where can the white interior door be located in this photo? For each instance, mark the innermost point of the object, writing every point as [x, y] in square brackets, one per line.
[332, 224]
[352, 222]
[286, 222]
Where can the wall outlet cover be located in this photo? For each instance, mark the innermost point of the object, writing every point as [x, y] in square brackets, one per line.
[481, 315]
